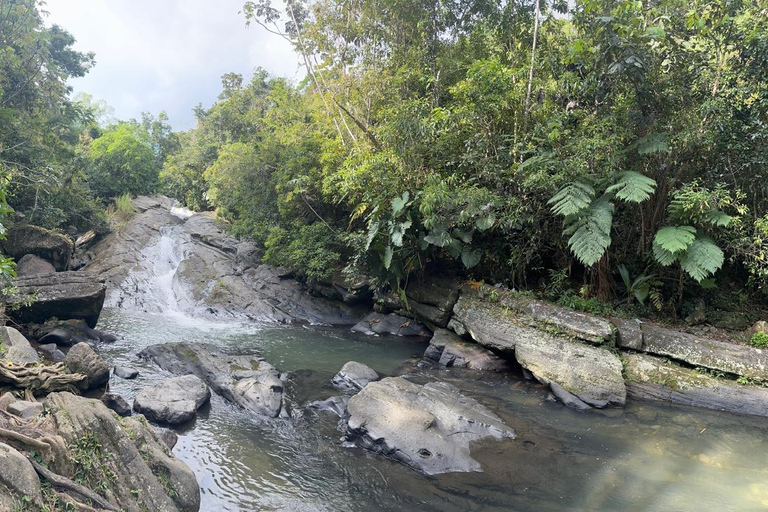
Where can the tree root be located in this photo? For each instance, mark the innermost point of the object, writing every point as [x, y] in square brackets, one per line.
[25, 440]
[65, 483]
[40, 379]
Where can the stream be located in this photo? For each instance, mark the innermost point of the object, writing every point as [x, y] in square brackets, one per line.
[646, 457]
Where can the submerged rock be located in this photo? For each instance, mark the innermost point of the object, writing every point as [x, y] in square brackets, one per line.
[355, 376]
[17, 349]
[428, 427]
[172, 401]
[125, 372]
[64, 295]
[248, 381]
[335, 404]
[449, 350]
[82, 359]
[392, 324]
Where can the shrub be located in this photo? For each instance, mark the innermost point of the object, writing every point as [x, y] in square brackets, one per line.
[759, 339]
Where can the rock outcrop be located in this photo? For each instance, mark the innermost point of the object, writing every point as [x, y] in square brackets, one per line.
[23, 239]
[432, 299]
[15, 347]
[449, 350]
[173, 401]
[247, 381]
[354, 376]
[64, 295]
[429, 428]
[652, 378]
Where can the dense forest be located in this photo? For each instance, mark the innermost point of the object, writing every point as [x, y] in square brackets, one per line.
[606, 153]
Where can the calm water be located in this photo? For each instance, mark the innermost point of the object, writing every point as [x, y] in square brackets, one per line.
[643, 458]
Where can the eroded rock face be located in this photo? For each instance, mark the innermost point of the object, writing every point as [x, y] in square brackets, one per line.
[137, 461]
[428, 427]
[82, 359]
[173, 401]
[17, 349]
[354, 376]
[248, 381]
[64, 295]
[25, 239]
[392, 324]
[449, 350]
[652, 378]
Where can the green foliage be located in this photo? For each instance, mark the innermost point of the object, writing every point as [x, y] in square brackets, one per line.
[590, 231]
[123, 162]
[638, 288]
[759, 339]
[633, 187]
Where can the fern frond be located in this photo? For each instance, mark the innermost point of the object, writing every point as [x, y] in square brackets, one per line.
[718, 218]
[702, 259]
[675, 238]
[652, 143]
[572, 199]
[590, 231]
[663, 256]
[633, 187]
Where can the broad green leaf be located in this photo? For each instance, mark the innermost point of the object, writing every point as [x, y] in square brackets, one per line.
[439, 238]
[399, 203]
[387, 257]
[471, 257]
[486, 222]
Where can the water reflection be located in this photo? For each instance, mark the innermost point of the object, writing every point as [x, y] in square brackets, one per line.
[646, 457]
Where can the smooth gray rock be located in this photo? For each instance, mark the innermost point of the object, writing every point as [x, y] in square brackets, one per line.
[125, 372]
[709, 353]
[7, 399]
[131, 451]
[172, 401]
[392, 324]
[82, 359]
[64, 295]
[448, 349]
[629, 333]
[591, 374]
[66, 333]
[17, 349]
[490, 326]
[568, 399]
[429, 428]
[354, 375]
[248, 381]
[336, 404]
[23, 239]
[652, 378]
[48, 348]
[24, 409]
[18, 476]
[30, 265]
[581, 325]
[116, 403]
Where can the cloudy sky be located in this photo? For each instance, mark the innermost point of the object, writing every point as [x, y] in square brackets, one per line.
[154, 55]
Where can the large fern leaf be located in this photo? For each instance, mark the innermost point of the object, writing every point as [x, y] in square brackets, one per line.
[590, 231]
[572, 198]
[633, 187]
[663, 256]
[675, 238]
[653, 143]
[702, 259]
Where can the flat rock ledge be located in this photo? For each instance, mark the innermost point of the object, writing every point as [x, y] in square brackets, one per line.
[429, 428]
[592, 375]
[246, 380]
[173, 401]
[652, 378]
[354, 376]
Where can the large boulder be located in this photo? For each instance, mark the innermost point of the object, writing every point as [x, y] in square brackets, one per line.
[18, 478]
[429, 428]
[449, 350]
[31, 265]
[23, 239]
[354, 376]
[172, 401]
[432, 299]
[653, 378]
[129, 465]
[64, 295]
[83, 360]
[17, 348]
[248, 381]
[392, 324]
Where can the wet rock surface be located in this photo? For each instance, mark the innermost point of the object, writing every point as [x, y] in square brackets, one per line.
[173, 401]
[391, 324]
[428, 428]
[449, 350]
[248, 381]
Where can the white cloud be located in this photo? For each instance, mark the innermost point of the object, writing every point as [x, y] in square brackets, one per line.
[154, 55]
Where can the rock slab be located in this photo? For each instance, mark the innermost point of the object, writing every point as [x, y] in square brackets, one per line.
[64, 295]
[449, 350]
[354, 376]
[173, 401]
[428, 428]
